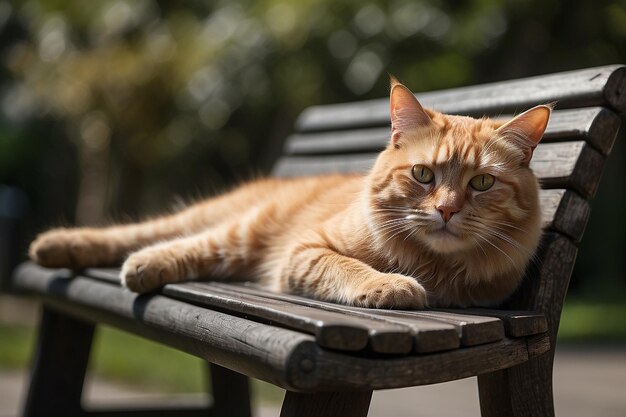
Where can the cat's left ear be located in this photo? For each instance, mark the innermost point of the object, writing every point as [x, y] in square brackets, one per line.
[526, 129]
[407, 114]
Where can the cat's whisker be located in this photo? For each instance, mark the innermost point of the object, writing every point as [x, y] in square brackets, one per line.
[501, 251]
[479, 245]
[507, 239]
[506, 224]
[483, 230]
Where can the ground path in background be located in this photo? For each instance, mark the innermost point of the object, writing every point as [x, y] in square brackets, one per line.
[589, 381]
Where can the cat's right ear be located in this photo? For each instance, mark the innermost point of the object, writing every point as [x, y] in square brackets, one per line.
[407, 114]
[526, 129]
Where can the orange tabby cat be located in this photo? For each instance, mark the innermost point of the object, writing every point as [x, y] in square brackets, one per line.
[448, 215]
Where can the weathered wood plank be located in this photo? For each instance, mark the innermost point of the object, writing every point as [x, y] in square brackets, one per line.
[474, 330]
[280, 356]
[110, 275]
[574, 165]
[516, 323]
[331, 330]
[471, 330]
[295, 166]
[601, 86]
[255, 349]
[564, 211]
[428, 335]
[331, 370]
[596, 125]
[429, 332]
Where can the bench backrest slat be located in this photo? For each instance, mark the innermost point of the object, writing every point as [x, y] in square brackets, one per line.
[590, 124]
[599, 86]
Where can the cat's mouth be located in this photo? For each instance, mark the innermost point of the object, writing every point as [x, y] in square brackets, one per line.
[445, 239]
[444, 232]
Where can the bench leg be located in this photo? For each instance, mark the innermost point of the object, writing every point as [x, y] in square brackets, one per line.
[231, 393]
[58, 373]
[326, 404]
[522, 391]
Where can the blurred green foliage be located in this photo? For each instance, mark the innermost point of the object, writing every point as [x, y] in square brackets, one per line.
[111, 108]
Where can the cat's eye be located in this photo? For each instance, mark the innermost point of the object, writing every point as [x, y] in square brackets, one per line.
[482, 182]
[423, 174]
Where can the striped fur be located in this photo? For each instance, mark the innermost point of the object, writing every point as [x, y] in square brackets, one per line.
[378, 240]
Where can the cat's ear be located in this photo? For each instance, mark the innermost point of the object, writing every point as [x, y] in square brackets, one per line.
[526, 129]
[407, 114]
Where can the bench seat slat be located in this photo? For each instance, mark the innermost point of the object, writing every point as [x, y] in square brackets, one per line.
[516, 323]
[471, 330]
[596, 125]
[249, 347]
[277, 355]
[430, 333]
[572, 89]
[330, 330]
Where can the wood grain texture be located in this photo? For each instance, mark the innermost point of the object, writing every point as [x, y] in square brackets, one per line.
[565, 212]
[248, 347]
[428, 335]
[280, 356]
[601, 86]
[596, 125]
[431, 332]
[470, 329]
[331, 370]
[516, 323]
[573, 165]
[331, 330]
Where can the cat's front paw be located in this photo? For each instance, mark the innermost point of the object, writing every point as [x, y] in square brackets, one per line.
[148, 270]
[391, 291]
[63, 248]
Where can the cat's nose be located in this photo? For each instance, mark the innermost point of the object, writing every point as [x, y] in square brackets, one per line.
[447, 212]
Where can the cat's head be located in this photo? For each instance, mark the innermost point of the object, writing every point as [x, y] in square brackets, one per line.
[454, 183]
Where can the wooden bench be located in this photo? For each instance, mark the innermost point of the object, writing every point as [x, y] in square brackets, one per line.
[329, 357]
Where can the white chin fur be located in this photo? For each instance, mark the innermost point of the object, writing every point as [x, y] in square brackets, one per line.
[446, 242]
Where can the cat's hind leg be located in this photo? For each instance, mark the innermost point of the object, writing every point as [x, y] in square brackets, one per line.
[86, 246]
[83, 247]
[89, 246]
